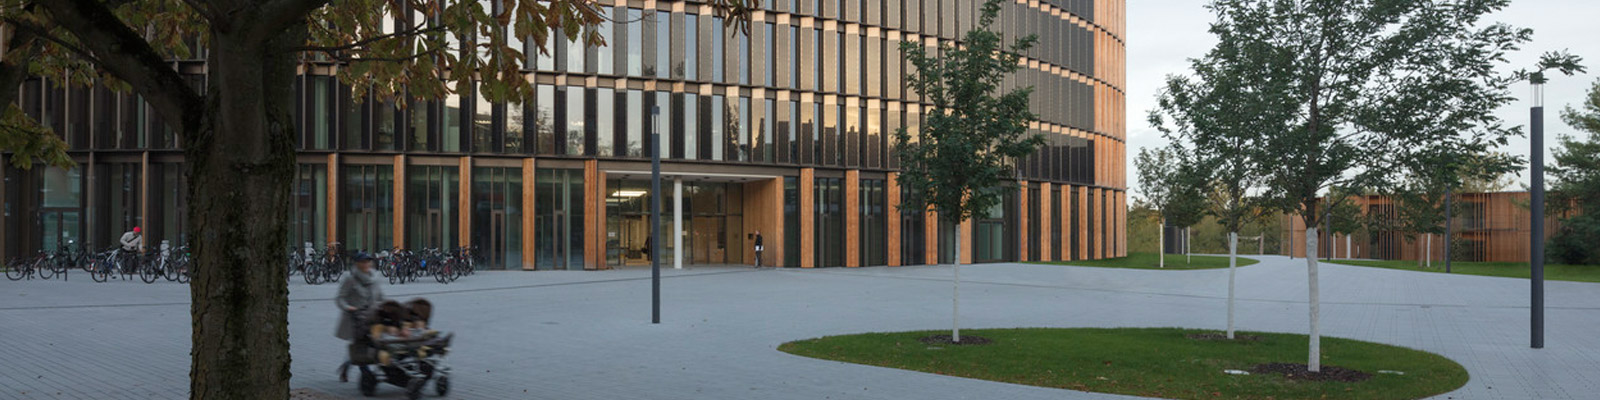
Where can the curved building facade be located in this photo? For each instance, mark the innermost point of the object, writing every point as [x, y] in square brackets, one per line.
[786, 131]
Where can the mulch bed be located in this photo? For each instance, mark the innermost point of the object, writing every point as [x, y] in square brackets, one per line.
[1219, 336]
[309, 394]
[966, 340]
[1298, 372]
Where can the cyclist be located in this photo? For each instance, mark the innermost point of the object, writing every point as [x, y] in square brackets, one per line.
[132, 240]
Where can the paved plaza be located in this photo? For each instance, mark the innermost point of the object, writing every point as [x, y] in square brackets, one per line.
[586, 335]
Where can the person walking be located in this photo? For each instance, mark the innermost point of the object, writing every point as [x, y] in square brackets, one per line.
[758, 249]
[356, 295]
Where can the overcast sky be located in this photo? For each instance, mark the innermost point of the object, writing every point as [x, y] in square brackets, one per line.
[1164, 34]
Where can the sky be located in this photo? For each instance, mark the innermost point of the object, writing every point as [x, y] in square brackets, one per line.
[1163, 35]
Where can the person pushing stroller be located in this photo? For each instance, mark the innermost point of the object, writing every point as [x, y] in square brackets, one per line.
[356, 295]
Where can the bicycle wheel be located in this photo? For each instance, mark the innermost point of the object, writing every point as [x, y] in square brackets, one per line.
[313, 273]
[149, 271]
[14, 270]
[99, 273]
[41, 267]
[170, 272]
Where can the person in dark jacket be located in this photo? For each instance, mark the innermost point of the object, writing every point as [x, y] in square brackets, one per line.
[356, 295]
[758, 249]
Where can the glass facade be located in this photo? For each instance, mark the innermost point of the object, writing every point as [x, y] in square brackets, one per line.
[814, 84]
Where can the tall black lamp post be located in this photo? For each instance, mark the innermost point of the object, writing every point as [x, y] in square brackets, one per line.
[655, 215]
[1536, 197]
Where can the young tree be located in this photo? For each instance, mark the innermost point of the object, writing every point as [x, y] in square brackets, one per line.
[237, 131]
[1575, 189]
[964, 158]
[1165, 182]
[1340, 91]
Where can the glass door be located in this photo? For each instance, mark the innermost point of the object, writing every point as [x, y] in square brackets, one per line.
[368, 207]
[558, 217]
[497, 217]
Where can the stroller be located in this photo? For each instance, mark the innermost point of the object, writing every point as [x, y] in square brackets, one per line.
[396, 348]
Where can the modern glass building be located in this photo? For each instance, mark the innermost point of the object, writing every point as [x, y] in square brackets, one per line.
[786, 131]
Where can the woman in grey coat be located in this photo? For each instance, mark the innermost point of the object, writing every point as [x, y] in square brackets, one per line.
[356, 294]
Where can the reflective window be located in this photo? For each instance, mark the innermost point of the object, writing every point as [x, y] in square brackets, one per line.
[718, 121]
[851, 140]
[309, 219]
[497, 216]
[482, 125]
[658, 122]
[636, 43]
[543, 119]
[450, 120]
[744, 58]
[691, 126]
[767, 132]
[605, 118]
[575, 122]
[690, 61]
[573, 54]
[431, 208]
[558, 219]
[740, 121]
[718, 50]
[657, 64]
[368, 207]
[769, 55]
[604, 56]
[635, 124]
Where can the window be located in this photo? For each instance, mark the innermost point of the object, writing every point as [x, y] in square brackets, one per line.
[431, 194]
[575, 139]
[635, 127]
[604, 59]
[605, 117]
[744, 58]
[791, 221]
[691, 126]
[659, 122]
[482, 123]
[450, 120]
[765, 135]
[689, 64]
[718, 50]
[636, 43]
[718, 124]
[769, 56]
[496, 207]
[850, 143]
[658, 65]
[573, 54]
[741, 122]
[543, 119]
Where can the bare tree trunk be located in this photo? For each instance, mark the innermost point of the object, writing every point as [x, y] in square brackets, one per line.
[1233, 266]
[1429, 250]
[1314, 360]
[955, 295]
[240, 165]
[1161, 246]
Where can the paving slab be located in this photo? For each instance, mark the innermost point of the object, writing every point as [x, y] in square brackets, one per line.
[586, 334]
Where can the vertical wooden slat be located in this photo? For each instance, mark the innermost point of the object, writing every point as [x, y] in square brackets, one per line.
[893, 212]
[399, 201]
[1046, 223]
[852, 218]
[332, 223]
[529, 216]
[807, 218]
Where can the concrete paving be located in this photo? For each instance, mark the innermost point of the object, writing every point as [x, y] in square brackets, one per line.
[586, 335]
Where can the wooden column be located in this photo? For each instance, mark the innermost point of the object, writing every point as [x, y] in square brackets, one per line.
[594, 229]
[333, 198]
[852, 218]
[529, 217]
[1023, 221]
[399, 201]
[464, 203]
[1083, 224]
[893, 212]
[1094, 224]
[807, 218]
[1046, 223]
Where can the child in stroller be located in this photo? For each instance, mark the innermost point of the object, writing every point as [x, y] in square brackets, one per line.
[400, 349]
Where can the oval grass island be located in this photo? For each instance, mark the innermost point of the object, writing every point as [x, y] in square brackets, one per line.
[1153, 362]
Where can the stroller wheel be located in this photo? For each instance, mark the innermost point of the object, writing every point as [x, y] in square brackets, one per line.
[369, 382]
[414, 390]
[441, 386]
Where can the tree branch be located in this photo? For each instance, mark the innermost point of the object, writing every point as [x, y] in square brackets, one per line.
[419, 29]
[121, 52]
[280, 14]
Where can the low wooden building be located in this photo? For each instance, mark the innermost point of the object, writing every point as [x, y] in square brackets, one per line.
[1486, 227]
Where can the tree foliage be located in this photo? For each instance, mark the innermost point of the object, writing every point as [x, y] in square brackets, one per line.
[236, 128]
[963, 160]
[1575, 185]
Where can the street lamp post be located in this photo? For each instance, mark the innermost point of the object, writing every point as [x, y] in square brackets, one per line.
[655, 215]
[1536, 199]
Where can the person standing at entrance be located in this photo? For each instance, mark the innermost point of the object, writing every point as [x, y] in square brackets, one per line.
[758, 249]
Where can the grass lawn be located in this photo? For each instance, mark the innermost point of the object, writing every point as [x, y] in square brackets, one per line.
[1149, 261]
[1555, 272]
[1153, 362]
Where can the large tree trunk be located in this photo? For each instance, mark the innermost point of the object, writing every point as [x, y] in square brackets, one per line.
[241, 163]
[1314, 360]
